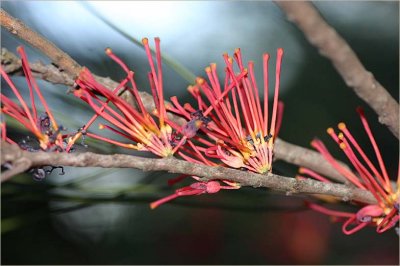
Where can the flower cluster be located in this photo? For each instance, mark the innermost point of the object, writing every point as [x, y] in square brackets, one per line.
[47, 132]
[385, 214]
[234, 128]
[238, 130]
[43, 126]
[137, 125]
[229, 127]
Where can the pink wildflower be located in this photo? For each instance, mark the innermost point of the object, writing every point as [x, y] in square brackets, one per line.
[137, 125]
[196, 188]
[385, 214]
[44, 127]
[239, 128]
[239, 136]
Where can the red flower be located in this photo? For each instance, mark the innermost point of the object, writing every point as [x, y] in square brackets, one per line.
[238, 128]
[44, 127]
[137, 125]
[385, 214]
[196, 188]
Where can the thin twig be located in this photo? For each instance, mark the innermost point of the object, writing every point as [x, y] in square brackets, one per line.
[56, 55]
[12, 153]
[331, 45]
[19, 29]
[12, 65]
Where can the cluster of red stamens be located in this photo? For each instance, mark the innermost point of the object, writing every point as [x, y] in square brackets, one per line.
[238, 131]
[385, 214]
[137, 125]
[230, 125]
[44, 126]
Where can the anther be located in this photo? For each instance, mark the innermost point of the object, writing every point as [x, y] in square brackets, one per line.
[341, 125]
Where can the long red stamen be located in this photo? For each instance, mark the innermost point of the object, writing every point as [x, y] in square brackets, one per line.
[355, 228]
[156, 76]
[124, 145]
[256, 98]
[134, 90]
[375, 146]
[389, 221]
[303, 170]
[28, 72]
[276, 92]
[281, 107]
[160, 83]
[343, 128]
[20, 99]
[369, 180]
[317, 144]
[265, 72]
[3, 130]
[329, 212]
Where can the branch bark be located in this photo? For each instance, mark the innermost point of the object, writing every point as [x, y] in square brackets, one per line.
[12, 153]
[331, 45]
[307, 158]
[12, 65]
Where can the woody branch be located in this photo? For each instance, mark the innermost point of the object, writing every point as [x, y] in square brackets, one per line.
[25, 160]
[331, 45]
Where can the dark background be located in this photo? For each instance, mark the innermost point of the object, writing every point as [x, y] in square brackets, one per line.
[97, 216]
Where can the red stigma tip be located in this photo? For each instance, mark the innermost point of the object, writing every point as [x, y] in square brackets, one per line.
[145, 41]
[108, 50]
[280, 51]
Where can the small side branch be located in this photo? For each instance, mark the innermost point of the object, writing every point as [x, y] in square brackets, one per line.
[12, 65]
[331, 45]
[12, 153]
